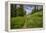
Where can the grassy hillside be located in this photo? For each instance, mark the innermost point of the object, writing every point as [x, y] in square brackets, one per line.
[35, 20]
[29, 21]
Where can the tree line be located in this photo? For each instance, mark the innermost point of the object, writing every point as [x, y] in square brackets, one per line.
[17, 11]
[20, 11]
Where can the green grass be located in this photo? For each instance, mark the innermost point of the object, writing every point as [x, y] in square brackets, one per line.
[35, 20]
[17, 22]
[32, 21]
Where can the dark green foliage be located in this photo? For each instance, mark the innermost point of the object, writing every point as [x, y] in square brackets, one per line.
[13, 10]
[17, 11]
[20, 11]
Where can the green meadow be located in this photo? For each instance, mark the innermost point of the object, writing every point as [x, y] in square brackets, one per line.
[33, 20]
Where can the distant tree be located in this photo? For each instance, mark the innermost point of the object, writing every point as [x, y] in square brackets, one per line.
[17, 11]
[13, 10]
[20, 11]
[36, 9]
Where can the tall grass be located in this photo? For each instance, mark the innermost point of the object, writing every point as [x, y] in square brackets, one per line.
[32, 21]
[17, 22]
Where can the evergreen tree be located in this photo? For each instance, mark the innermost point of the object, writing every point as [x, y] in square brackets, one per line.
[20, 11]
[13, 10]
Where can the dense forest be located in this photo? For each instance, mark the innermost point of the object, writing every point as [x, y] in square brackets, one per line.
[19, 19]
[17, 11]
